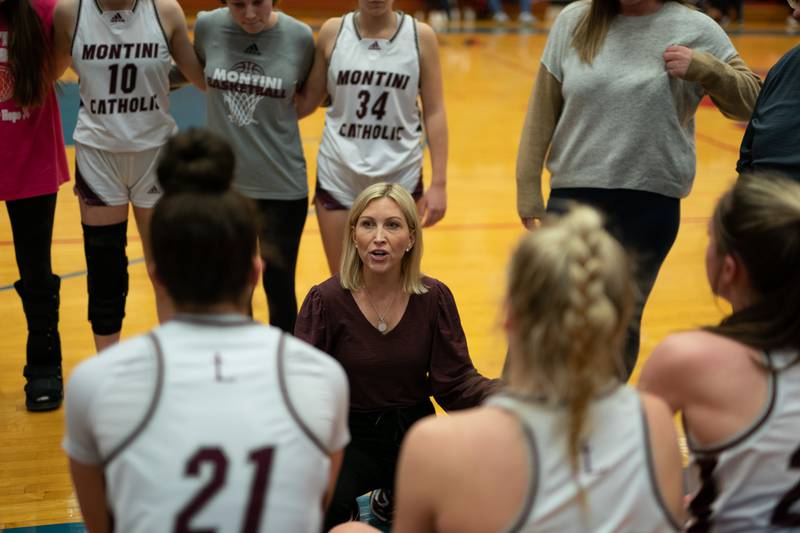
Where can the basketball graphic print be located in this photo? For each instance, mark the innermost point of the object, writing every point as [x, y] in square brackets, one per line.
[6, 83]
[242, 97]
[6, 78]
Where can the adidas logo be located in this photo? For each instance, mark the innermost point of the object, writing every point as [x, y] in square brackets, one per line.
[252, 50]
[117, 18]
[374, 46]
[154, 190]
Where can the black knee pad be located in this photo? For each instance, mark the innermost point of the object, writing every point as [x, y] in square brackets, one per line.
[107, 279]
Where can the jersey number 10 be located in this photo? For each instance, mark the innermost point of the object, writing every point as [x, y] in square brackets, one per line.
[216, 458]
[127, 82]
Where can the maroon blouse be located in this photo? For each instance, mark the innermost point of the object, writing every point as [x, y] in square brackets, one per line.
[424, 355]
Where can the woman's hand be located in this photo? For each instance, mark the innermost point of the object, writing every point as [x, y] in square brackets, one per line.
[531, 223]
[433, 205]
[676, 60]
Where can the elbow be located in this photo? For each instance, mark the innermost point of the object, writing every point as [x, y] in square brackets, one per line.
[742, 109]
[303, 110]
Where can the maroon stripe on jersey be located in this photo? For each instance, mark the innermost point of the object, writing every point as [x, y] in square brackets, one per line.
[651, 471]
[285, 393]
[161, 27]
[75, 29]
[151, 410]
[533, 472]
[399, 26]
[740, 437]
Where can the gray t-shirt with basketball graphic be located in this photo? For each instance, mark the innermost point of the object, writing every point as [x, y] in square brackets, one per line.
[251, 80]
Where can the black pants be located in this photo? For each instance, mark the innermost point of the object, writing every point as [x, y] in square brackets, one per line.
[646, 225]
[32, 229]
[438, 5]
[280, 227]
[370, 460]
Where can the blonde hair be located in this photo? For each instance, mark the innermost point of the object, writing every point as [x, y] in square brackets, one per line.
[351, 273]
[592, 29]
[570, 298]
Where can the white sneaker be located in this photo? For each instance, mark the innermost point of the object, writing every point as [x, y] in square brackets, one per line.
[500, 17]
[526, 17]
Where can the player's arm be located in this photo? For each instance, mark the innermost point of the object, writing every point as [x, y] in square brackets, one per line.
[336, 465]
[315, 88]
[181, 47]
[64, 19]
[90, 487]
[672, 370]
[434, 203]
[418, 485]
[664, 453]
[544, 110]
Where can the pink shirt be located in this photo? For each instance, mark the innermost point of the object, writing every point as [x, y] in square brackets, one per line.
[32, 157]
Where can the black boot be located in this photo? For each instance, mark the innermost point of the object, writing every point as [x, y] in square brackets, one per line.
[44, 390]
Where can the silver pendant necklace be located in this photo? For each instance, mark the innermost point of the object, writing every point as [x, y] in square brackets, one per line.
[382, 324]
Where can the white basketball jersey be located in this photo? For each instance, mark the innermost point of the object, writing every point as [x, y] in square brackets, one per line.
[752, 481]
[616, 472]
[123, 61]
[221, 447]
[373, 124]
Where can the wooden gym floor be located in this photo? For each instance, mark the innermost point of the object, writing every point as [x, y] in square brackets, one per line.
[488, 75]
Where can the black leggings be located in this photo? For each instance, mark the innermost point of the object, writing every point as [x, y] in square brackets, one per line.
[281, 224]
[370, 460]
[32, 230]
[646, 225]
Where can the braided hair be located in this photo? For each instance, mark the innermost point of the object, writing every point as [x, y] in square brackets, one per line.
[570, 298]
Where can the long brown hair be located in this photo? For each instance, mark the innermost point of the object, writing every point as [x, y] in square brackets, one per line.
[591, 31]
[758, 222]
[29, 54]
[570, 296]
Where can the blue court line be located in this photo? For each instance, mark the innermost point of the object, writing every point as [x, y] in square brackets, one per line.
[363, 504]
[50, 528]
[76, 274]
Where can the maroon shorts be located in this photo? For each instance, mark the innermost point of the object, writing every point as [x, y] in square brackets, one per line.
[332, 204]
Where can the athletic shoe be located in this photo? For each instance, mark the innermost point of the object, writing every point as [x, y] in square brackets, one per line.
[526, 17]
[381, 505]
[44, 388]
[500, 17]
